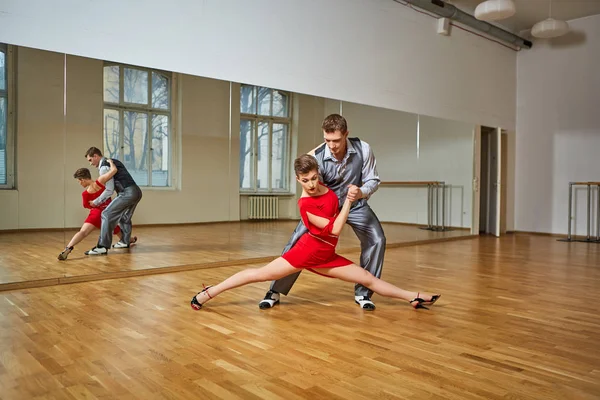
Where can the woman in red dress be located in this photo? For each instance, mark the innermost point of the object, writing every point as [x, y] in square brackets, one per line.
[93, 189]
[315, 250]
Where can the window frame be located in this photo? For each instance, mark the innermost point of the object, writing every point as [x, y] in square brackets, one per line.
[255, 120]
[122, 106]
[9, 95]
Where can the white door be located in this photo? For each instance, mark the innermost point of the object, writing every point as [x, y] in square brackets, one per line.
[494, 210]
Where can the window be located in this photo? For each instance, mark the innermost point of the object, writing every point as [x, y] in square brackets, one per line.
[6, 126]
[137, 122]
[265, 123]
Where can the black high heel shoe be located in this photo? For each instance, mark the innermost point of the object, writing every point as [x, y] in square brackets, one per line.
[420, 303]
[434, 298]
[196, 305]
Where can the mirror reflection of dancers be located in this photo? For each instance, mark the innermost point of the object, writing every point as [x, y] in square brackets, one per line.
[93, 190]
[315, 250]
[120, 210]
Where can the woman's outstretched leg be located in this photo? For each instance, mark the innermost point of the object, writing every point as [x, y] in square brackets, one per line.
[276, 269]
[85, 230]
[355, 274]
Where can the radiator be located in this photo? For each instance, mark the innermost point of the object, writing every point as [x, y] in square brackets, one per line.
[263, 207]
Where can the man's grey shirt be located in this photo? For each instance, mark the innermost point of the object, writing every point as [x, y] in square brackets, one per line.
[358, 167]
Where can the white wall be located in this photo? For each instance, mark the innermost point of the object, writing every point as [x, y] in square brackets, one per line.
[444, 152]
[374, 52]
[558, 127]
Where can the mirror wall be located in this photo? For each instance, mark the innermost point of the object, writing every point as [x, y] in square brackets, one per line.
[202, 150]
[33, 132]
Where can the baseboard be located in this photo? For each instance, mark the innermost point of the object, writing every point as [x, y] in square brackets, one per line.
[539, 233]
[166, 225]
[430, 241]
[556, 235]
[454, 228]
[271, 220]
[34, 230]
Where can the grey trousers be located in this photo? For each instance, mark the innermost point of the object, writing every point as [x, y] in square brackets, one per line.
[119, 211]
[367, 228]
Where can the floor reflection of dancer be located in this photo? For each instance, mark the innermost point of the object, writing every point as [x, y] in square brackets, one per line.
[93, 190]
[315, 250]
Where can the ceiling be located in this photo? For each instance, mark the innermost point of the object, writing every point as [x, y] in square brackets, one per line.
[531, 11]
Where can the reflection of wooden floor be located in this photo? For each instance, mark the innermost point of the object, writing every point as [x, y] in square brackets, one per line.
[518, 319]
[32, 256]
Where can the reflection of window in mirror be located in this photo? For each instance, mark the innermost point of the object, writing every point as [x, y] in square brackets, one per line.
[6, 118]
[265, 121]
[137, 122]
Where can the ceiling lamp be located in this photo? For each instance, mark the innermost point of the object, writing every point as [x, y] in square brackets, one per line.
[494, 10]
[549, 28]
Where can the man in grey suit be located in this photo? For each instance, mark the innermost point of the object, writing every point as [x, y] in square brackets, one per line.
[348, 167]
[121, 209]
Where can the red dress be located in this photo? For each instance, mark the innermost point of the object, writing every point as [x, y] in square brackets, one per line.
[95, 216]
[316, 248]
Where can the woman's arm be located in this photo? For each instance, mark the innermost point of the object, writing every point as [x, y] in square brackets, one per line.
[86, 203]
[333, 225]
[107, 176]
[340, 220]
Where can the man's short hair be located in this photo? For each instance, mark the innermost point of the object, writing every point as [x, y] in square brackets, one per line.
[335, 122]
[93, 151]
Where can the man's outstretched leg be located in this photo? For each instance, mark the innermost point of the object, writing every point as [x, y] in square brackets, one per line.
[283, 285]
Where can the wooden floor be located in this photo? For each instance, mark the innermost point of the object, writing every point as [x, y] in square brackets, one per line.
[519, 318]
[30, 258]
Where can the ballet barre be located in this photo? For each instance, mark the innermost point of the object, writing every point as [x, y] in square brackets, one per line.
[589, 238]
[433, 191]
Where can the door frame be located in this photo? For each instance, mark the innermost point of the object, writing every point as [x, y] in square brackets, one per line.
[499, 180]
[476, 180]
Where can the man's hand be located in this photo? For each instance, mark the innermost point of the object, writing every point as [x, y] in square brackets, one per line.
[92, 203]
[354, 193]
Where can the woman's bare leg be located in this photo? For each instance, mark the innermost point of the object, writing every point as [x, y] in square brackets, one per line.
[355, 274]
[85, 230]
[276, 269]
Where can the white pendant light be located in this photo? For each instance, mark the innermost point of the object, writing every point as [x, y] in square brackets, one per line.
[550, 28]
[494, 10]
